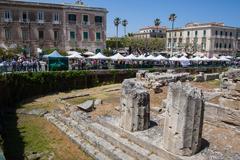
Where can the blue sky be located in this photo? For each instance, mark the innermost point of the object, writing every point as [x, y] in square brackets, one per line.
[142, 13]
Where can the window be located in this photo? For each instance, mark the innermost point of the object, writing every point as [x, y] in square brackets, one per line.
[230, 34]
[216, 33]
[24, 35]
[85, 35]
[204, 33]
[7, 15]
[40, 35]
[85, 19]
[98, 36]
[175, 34]
[7, 34]
[24, 16]
[40, 16]
[72, 35]
[98, 19]
[220, 46]
[72, 18]
[188, 33]
[216, 45]
[180, 34]
[56, 35]
[221, 33]
[226, 34]
[229, 46]
[196, 33]
[56, 17]
[225, 45]
[169, 34]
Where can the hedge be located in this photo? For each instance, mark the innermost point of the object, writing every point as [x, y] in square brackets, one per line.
[18, 86]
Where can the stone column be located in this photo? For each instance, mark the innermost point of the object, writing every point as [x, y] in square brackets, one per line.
[135, 106]
[184, 119]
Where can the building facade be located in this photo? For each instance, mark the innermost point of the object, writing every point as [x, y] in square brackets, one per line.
[33, 25]
[209, 38]
[151, 32]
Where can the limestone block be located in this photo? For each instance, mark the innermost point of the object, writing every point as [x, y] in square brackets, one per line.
[141, 74]
[212, 76]
[135, 106]
[87, 106]
[184, 119]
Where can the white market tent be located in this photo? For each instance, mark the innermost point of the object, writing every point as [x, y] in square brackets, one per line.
[117, 56]
[214, 59]
[141, 57]
[75, 56]
[161, 58]
[2, 45]
[54, 54]
[183, 58]
[39, 50]
[73, 52]
[99, 56]
[197, 58]
[131, 57]
[223, 58]
[151, 58]
[205, 58]
[174, 59]
[89, 53]
[199, 54]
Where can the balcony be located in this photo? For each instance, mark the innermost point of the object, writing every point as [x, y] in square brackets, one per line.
[56, 22]
[99, 24]
[7, 20]
[86, 23]
[71, 22]
[40, 21]
[24, 21]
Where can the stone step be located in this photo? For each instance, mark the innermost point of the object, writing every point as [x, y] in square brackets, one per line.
[123, 143]
[163, 154]
[81, 127]
[81, 142]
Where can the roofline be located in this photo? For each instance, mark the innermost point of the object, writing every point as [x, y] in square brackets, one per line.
[53, 5]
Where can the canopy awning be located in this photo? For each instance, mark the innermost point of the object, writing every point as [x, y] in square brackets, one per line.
[54, 54]
[173, 59]
[89, 53]
[99, 56]
[75, 56]
[141, 57]
[117, 56]
[183, 58]
[160, 58]
[205, 58]
[197, 58]
[223, 58]
[214, 59]
[73, 52]
[131, 57]
[151, 58]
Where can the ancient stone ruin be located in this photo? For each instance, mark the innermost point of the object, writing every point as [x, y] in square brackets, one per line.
[135, 106]
[184, 119]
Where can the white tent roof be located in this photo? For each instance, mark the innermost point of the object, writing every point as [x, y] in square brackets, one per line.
[141, 57]
[2, 45]
[89, 53]
[99, 56]
[160, 57]
[39, 50]
[197, 58]
[130, 57]
[117, 56]
[75, 56]
[223, 58]
[151, 57]
[205, 58]
[173, 59]
[214, 59]
[183, 58]
[73, 52]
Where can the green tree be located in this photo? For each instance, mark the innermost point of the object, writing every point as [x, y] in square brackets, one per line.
[125, 23]
[157, 22]
[172, 18]
[116, 22]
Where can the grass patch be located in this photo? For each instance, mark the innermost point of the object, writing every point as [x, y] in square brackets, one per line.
[79, 100]
[36, 134]
[214, 83]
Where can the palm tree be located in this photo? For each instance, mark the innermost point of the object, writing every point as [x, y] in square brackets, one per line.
[125, 23]
[157, 23]
[116, 22]
[172, 18]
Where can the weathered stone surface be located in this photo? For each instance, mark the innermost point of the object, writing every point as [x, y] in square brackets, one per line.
[199, 77]
[233, 73]
[141, 74]
[229, 103]
[184, 119]
[211, 76]
[97, 102]
[87, 106]
[157, 87]
[135, 106]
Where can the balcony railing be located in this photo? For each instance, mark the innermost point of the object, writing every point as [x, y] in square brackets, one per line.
[86, 23]
[40, 21]
[56, 22]
[98, 23]
[6, 20]
[24, 20]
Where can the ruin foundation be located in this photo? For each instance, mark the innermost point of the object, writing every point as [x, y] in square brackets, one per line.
[135, 106]
[184, 119]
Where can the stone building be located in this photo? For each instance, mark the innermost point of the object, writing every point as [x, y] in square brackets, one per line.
[33, 25]
[211, 38]
[151, 32]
